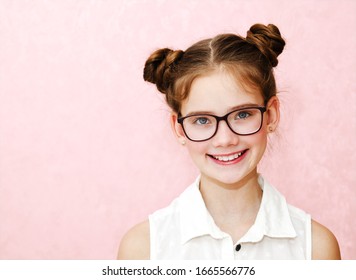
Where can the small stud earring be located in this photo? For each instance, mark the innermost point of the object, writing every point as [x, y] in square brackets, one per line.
[270, 129]
[183, 142]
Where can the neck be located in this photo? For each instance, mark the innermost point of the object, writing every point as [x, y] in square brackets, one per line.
[238, 201]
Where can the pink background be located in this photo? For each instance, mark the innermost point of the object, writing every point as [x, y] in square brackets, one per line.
[86, 149]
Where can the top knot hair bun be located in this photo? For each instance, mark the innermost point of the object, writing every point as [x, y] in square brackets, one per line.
[160, 66]
[250, 60]
[268, 40]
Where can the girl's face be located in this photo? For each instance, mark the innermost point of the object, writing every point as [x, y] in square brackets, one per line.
[227, 158]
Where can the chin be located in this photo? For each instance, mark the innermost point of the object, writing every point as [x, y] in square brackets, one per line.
[233, 181]
[230, 177]
[227, 179]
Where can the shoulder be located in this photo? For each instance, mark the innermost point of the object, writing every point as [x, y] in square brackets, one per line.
[324, 243]
[135, 245]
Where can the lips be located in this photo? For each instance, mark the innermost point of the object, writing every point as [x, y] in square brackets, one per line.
[226, 158]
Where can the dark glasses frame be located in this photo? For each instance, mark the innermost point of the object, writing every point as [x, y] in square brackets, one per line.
[181, 119]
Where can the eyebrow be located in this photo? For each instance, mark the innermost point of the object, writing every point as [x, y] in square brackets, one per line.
[242, 106]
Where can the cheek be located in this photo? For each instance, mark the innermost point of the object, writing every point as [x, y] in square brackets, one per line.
[197, 149]
[259, 140]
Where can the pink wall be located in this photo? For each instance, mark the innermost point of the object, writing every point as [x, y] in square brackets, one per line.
[86, 149]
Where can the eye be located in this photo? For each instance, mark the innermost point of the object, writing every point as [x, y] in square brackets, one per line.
[201, 121]
[242, 115]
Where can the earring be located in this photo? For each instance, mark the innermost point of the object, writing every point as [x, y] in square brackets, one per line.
[183, 142]
[270, 129]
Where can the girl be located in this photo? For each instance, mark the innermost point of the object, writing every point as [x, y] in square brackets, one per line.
[222, 93]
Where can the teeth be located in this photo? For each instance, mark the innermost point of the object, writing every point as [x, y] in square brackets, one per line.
[228, 158]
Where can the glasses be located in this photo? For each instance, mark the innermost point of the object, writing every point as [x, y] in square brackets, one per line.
[202, 127]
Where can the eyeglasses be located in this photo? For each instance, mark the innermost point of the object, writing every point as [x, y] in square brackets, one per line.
[202, 127]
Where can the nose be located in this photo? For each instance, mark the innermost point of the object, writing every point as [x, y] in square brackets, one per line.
[224, 136]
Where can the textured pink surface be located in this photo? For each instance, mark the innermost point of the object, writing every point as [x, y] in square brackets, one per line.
[86, 149]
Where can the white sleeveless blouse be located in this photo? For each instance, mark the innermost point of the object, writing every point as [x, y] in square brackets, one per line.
[186, 230]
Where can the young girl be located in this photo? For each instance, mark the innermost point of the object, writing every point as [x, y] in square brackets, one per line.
[222, 93]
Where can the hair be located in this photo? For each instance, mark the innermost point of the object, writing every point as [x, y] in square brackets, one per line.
[250, 60]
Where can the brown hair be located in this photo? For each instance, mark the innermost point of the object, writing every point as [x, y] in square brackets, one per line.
[250, 60]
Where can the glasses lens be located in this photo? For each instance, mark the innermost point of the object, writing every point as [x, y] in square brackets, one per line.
[199, 127]
[245, 121]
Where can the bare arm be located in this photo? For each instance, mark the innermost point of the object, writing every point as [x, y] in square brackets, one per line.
[324, 243]
[135, 245]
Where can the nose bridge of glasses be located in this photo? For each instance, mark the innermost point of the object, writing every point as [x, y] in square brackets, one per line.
[225, 123]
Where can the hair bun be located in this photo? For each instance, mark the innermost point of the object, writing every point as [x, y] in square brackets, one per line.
[160, 66]
[268, 40]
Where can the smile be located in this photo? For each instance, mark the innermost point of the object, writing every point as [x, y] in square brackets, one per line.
[228, 158]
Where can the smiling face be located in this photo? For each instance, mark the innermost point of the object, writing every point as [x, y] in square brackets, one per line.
[226, 158]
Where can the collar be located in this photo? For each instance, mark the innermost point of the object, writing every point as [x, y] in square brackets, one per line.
[272, 219]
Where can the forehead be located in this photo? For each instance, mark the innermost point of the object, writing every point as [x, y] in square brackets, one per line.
[218, 92]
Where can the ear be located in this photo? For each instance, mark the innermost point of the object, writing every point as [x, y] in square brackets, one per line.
[177, 128]
[272, 114]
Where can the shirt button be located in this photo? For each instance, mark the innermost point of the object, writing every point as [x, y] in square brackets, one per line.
[238, 247]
